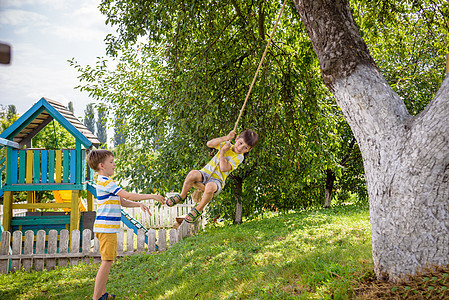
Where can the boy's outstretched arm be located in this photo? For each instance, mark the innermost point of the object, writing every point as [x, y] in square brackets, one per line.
[213, 143]
[138, 197]
[128, 203]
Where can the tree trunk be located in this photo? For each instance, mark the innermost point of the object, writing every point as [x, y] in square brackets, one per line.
[330, 179]
[406, 158]
[238, 200]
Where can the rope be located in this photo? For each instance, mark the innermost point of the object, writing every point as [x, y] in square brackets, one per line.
[254, 78]
[260, 65]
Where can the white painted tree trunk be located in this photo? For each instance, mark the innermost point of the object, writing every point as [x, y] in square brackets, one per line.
[406, 158]
[406, 162]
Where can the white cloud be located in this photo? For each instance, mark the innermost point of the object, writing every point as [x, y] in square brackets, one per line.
[16, 17]
[43, 35]
[55, 4]
[83, 23]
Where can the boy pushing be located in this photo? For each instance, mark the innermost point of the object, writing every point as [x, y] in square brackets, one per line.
[110, 199]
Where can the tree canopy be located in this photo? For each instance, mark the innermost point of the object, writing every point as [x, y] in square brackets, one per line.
[181, 73]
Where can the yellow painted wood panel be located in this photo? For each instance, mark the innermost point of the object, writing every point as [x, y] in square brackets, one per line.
[75, 211]
[90, 201]
[40, 205]
[29, 166]
[58, 166]
[30, 199]
[7, 210]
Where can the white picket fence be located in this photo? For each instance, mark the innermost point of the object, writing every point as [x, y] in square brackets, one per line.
[162, 216]
[36, 256]
[15, 212]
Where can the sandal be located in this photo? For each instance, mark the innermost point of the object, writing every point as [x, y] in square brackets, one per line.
[107, 296]
[176, 199]
[193, 218]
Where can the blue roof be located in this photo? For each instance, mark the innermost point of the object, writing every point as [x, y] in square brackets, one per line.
[42, 113]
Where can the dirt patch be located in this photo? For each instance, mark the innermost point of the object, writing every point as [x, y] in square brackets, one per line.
[432, 283]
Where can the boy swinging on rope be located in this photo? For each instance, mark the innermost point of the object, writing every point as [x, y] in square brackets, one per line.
[211, 178]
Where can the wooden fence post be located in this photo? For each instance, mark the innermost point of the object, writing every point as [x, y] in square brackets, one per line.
[28, 249]
[173, 237]
[63, 246]
[129, 242]
[151, 240]
[87, 235]
[120, 243]
[4, 250]
[40, 249]
[162, 240]
[52, 248]
[97, 258]
[140, 240]
[16, 250]
[75, 247]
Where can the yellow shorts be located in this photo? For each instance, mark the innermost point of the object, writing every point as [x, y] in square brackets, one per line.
[108, 245]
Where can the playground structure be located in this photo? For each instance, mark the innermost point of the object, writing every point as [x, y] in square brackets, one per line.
[62, 171]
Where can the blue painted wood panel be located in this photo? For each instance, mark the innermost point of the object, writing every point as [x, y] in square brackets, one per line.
[14, 166]
[51, 166]
[65, 166]
[44, 168]
[73, 166]
[22, 165]
[37, 166]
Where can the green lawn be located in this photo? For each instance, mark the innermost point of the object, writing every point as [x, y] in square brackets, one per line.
[315, 254]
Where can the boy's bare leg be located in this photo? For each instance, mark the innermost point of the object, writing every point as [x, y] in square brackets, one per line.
[189, 182]
[102, 279]
[209, 190]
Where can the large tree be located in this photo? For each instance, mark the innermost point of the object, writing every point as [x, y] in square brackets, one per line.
[406, 157]
[209, 52]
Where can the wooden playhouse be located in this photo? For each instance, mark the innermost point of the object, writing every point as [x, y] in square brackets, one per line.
[62, 171]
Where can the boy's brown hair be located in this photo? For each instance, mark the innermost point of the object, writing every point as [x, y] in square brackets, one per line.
[250, 137]
[95, 157]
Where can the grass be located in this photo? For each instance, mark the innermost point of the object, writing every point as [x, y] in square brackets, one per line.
[317, 254]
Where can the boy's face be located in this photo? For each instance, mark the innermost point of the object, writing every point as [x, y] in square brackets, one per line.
[241, 147]
[107, 167]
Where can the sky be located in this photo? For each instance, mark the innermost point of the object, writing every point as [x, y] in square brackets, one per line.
[43, 35]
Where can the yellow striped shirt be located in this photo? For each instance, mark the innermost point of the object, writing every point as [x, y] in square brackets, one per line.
[233, 158]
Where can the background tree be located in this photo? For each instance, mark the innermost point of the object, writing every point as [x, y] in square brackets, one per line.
[11, 113]
[70, 106]
[405, 156]
[119, 137]
[8, 115]
[53, 137]
[101, 125]
[89, 117]
[154, 124]
[204, 85]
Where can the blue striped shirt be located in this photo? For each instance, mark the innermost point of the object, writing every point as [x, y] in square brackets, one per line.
[108, 206]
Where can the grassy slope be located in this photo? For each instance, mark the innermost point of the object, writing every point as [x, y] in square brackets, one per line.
[320, 254]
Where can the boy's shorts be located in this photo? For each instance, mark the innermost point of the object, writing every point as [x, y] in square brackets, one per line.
[108, 245]
[218, 182]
